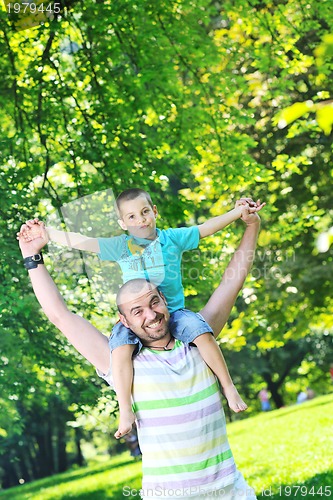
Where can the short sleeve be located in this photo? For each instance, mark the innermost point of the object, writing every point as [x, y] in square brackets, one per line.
[111, 248]
[186, 238]
[107, 376]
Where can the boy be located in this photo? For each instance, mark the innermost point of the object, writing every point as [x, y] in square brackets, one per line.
[146, 252]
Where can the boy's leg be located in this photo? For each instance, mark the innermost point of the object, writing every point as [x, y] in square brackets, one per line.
[122, 374]
[213, 357]
[190, 327]
[123, 343]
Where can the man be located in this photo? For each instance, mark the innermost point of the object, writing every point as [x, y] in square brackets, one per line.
[181, 424]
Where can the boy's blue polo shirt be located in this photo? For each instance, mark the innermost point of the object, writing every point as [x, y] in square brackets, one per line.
[158, 261]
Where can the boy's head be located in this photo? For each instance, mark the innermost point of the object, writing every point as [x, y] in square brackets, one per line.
[137, 214]
[131, 194]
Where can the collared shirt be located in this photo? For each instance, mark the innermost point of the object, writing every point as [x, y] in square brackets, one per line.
[158, 261]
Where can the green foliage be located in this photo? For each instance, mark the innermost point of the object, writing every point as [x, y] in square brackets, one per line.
[324, 110]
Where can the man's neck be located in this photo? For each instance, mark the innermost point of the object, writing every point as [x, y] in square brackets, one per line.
[167, 345]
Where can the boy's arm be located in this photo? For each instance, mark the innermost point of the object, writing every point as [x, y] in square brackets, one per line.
[215, 224]
[34, 228]
[73, 240]
[91, 343]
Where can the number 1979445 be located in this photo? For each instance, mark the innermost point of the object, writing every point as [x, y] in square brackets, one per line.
[32, 8]
[292, 491]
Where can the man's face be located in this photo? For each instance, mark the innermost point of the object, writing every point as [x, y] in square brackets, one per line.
[138, 217]
[146, 314]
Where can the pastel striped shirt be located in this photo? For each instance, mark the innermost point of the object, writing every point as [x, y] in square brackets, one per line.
[181, 424]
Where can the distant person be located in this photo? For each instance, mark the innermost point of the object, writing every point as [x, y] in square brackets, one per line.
[305, 395]
[264, 399]
[148, 253]
[301, 397]
[331, 372]
[132, 442]
[310, 393]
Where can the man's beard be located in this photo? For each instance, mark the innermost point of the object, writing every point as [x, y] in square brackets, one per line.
[161, 332]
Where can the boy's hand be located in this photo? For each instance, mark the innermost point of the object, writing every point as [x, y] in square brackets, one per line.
[32, 237]
[250, 210]
[32, 229]
[245, 201]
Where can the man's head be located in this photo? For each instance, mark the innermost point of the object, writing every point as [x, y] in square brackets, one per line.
[137, 214]
[142, 308]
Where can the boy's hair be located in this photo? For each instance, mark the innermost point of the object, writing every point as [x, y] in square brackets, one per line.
[131, 194]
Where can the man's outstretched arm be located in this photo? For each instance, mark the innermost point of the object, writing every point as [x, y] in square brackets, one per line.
[90, 342]
[218, 308]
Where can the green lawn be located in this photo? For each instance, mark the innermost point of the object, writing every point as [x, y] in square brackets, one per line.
[288, 453]
[287, 448]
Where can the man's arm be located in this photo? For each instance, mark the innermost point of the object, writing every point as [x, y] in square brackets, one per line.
[211, 226]
[90, 342]
[218, 307]
[34, 228]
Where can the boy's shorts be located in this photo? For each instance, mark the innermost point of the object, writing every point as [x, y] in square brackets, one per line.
[184, 325]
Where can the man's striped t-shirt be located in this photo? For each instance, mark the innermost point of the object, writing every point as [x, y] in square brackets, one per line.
[181, 424]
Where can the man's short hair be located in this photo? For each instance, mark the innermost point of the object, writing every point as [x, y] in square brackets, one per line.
[131, 194]
[132, 286]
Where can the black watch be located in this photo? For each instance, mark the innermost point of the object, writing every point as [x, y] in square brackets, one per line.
[33, 261]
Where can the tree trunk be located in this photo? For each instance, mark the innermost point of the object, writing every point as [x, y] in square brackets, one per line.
[79, 455]
[62, 456]
[273, 389]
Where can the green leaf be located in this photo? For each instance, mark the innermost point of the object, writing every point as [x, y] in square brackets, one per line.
[325, 118]
[291, 113]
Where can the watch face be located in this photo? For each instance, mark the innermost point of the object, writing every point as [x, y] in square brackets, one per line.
[33, 261]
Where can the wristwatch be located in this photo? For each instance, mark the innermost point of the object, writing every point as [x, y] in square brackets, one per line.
[33, 261]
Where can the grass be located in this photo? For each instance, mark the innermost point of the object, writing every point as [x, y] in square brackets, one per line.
[285, 453]
[98, 482]
[283, 449]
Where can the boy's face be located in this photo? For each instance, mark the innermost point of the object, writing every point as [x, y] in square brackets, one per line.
[138, 218]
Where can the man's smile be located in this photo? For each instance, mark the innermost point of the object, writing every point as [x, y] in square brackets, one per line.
[156, 324]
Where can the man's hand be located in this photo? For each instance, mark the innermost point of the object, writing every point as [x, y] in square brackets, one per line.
[250, 210]
[32, 237]
[33, 228]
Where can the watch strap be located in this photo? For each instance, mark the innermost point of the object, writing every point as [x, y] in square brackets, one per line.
[33, 261]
